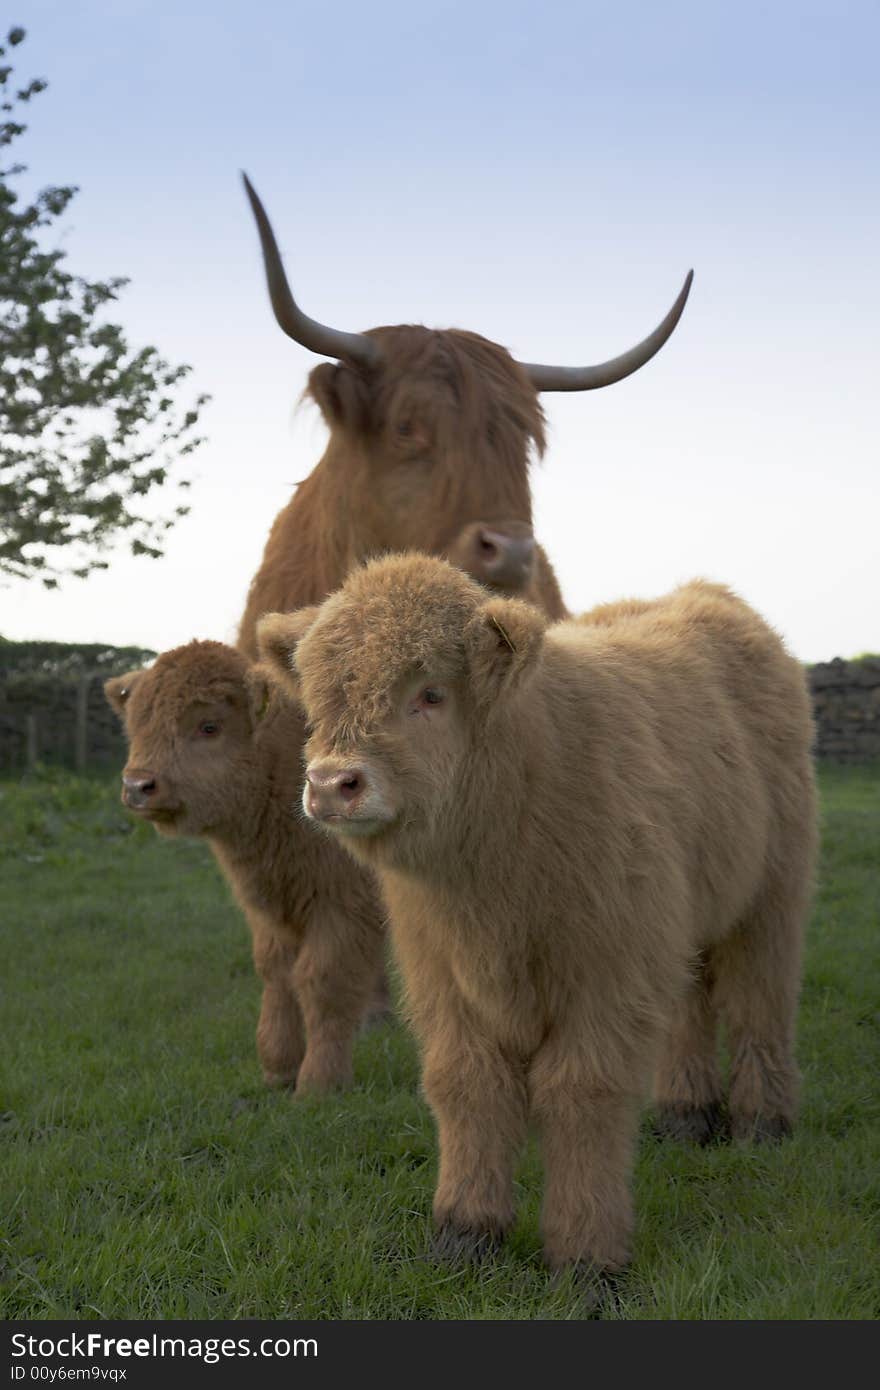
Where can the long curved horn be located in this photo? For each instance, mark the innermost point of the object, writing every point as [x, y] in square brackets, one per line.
[606, 373]
[317, 337]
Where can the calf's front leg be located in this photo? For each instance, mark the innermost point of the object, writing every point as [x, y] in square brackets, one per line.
[588, 1134]
[280, 1037]
[335, 979]
[479, 1104]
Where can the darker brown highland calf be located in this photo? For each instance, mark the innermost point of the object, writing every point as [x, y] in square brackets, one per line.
[595, 839]
[209, 755]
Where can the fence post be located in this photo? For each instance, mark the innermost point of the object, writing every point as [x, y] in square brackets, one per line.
[30, 727]
[80, 752]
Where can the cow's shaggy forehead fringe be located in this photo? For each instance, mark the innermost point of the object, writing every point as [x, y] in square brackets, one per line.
[199, 671]
[394, 617]
[493, 394]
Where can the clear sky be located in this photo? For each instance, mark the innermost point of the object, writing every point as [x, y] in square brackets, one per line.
[544, 174]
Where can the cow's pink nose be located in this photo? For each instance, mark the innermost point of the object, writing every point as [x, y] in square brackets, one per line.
[500, 554]
[502, 558]
[332, 790]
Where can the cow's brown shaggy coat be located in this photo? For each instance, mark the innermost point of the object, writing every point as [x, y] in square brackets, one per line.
[595, 840]
[426, 450]
[210, 736]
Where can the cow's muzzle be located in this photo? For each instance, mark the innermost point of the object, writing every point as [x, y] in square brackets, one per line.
[500, 554]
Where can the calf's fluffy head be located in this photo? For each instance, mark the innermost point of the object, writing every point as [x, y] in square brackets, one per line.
[190, 720]
[400, 673]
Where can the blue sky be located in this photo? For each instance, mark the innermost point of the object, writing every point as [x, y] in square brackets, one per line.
[544, 175]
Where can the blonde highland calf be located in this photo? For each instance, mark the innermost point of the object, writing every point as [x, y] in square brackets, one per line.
[596, 839]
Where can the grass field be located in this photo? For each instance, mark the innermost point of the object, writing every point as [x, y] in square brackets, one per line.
[146, 1172]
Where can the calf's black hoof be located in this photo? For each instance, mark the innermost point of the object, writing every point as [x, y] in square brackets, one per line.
[597, 1289]
[761, 1129]
[454, 1244]
[688, 1124]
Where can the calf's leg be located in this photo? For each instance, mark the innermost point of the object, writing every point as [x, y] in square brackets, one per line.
[687, 1079]
[381, 1005]
[334, 977]
[280, 1037]
[757, 982]
[588, 1134]
[479, 1103]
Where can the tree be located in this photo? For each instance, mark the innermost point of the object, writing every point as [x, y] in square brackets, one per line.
[89, 428]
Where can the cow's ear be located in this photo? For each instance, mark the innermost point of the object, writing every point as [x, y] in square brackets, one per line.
[341, 394]
[118, 688]
[505, 638]
[278, 635]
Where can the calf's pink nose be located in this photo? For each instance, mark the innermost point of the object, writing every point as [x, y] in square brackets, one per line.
[332, 790]
[138, 787]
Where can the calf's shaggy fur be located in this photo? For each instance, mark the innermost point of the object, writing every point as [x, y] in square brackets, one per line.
[210, 736]
[595, 839]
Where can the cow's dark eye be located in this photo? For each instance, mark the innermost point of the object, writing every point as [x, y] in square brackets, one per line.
[404, 429]
[209, 728]
[432, 697]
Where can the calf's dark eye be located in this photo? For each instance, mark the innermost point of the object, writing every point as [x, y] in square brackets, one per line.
[430, 696]
[209, 728]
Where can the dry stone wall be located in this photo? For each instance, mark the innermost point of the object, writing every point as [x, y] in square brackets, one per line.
[846, 700]
[63, 719]
[52, 706]
[60, 723]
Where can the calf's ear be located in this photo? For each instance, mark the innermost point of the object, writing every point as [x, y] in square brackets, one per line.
[504, 638]
[262, 687]
[118, 688]
[278, 635]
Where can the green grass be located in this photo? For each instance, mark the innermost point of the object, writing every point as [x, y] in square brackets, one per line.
[147, 1173]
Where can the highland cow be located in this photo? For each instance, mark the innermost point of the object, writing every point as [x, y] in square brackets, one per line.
[431, 434]
[430, 437]
[595, 840]
[209, 743]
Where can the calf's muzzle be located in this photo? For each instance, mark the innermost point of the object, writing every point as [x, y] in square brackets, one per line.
[140, 788]
[333, 791]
